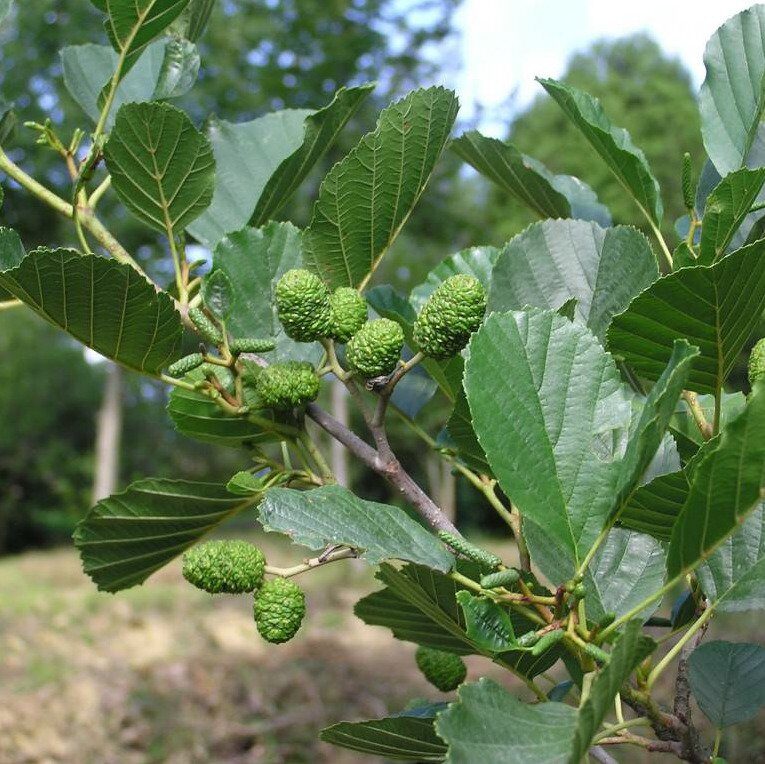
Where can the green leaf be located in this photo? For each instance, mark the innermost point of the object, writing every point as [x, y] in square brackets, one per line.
[684, 429]
[166, 69]
[649, 426]
[728, 681]
[487, 624]
[714, 307]
[133, 24]
[368, 196]
[654, 507]
[629, 651]
[474, 261]
[260, 163]
[199, 15]
[106, 305]
[627, 568]
[245, 484]
[505, 165]
[733, 578]
[418, 605]
[129, 535]
[218, 294]
[196, 416]
[726, 208]
[333, 515]
[553, 261]
[321, 128]
[162, 168]
[525, 376]
[732, 98]
[408, 736]
[565, 473]
[727, 484]
[460, 429]
[627, 162]
[180, 68]
[529, 181]
[489, 724]
[254, 259]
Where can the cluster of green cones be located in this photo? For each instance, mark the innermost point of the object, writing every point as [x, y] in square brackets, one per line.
[238, 567]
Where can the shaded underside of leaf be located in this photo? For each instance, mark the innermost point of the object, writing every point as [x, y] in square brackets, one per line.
[162, 168]
[503, 164]
[715, 308]
[321, 128]
[106, 305]
[403, 737]
[333, 515]
[614, 145]
[127, 536]
[368, 196]
[418, 605]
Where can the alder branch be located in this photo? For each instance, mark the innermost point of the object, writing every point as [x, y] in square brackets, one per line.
[388, 467]
[682, 702]
[674, 735]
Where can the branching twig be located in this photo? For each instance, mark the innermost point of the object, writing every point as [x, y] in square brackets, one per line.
[323, 559]
[389, 468]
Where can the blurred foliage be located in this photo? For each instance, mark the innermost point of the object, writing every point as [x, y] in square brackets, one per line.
[47, 390]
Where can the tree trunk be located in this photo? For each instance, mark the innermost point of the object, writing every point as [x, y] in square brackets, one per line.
[108, 436]
[339, 455]
[443, 485]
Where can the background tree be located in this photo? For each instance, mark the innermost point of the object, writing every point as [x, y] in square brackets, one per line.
[642, 89]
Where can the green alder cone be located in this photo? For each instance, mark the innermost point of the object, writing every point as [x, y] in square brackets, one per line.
[206, 328]
[348, 313]
[185, 365]
[374, 350]
[302, 302]
[285, 386]
[279, 609]
[251, 345]
[443, 670]
[230, 567]
[503, 578]
[451, 314]
[472, 552]
[757, 362]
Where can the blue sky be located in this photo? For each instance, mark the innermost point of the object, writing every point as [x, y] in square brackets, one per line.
[506, 43]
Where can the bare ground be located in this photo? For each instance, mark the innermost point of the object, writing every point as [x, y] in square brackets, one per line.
[164, 673]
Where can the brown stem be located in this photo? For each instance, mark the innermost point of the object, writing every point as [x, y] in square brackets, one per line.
[682, 703]
[384, 464]
[675, 736]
